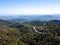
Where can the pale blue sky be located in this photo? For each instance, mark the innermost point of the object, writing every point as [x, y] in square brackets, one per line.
[27, 7]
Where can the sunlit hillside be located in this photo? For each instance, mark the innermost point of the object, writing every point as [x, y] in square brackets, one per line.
[34, 32]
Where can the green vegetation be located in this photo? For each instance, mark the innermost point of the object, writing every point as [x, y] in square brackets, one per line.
[24, 34]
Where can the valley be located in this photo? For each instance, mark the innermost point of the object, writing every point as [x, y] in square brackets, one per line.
[29, 32]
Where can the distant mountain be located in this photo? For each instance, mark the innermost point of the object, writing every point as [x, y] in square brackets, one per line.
[24, 18]
[8, 17]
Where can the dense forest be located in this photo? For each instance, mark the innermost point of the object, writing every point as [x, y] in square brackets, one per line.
[12, 33]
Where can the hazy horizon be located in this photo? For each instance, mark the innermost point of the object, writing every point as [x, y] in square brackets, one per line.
[34, 15]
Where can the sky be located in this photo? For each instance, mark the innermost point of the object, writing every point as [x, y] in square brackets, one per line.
[29, 7]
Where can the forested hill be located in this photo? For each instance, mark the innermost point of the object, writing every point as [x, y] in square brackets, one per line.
[54, 22]
[4, 22]
[38, 23]
[24, 33]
